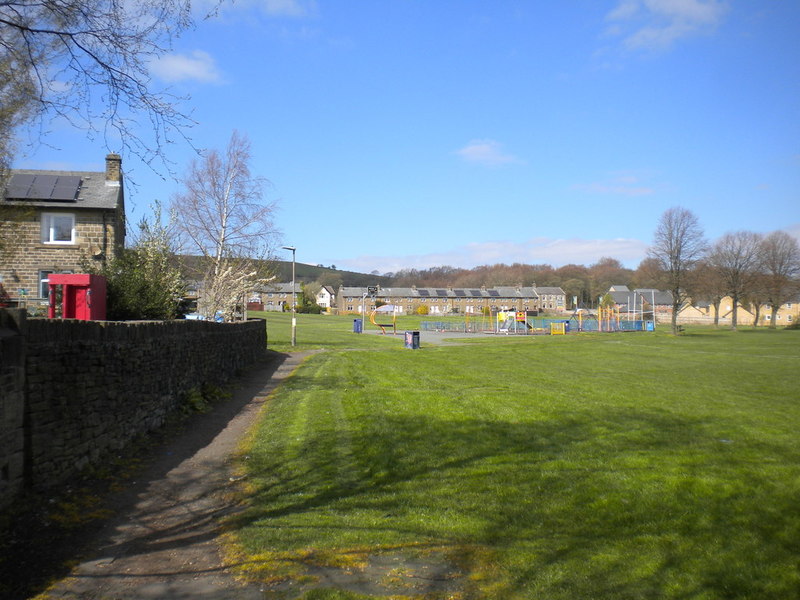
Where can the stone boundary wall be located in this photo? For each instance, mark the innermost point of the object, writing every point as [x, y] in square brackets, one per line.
[90, 387]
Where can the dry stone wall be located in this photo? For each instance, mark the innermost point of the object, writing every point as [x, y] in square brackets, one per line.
[90, 387]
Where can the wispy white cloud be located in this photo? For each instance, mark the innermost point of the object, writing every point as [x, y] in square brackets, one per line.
[617, 185]
[556, 252]
[195, 66]
[488, 153]
[657, 24]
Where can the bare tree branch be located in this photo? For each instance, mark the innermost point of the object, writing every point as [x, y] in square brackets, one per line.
[780, 263]
[736, 257]
[677, 247]
[223, 217]
[87, 61]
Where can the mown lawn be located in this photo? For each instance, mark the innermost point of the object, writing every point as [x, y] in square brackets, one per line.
[631, 465]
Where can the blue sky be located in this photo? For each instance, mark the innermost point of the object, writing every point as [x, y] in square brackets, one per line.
[410, 133]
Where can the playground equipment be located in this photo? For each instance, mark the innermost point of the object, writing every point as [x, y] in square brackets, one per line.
[606, 319]
[384, 326]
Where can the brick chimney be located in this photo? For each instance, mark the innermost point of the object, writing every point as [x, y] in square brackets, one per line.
[113, 169]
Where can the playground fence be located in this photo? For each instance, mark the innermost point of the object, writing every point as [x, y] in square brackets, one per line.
[451, 326]
[535, 326]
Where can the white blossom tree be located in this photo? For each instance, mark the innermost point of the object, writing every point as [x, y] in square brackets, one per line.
[223, 217]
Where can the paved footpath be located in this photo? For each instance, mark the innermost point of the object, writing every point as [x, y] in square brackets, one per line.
[163, 543]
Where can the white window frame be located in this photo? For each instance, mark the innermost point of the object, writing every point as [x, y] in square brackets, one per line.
[44, 285]
[44, 281]
[49, 231]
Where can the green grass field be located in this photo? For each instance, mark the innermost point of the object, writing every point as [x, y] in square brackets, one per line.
[632, 465]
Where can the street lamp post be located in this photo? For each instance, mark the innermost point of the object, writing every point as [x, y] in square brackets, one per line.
[294, 298]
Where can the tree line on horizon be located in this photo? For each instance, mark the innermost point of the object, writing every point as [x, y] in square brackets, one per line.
[753, 269]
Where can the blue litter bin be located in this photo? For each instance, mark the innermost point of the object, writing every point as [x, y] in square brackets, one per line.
[412, 340]
[650, 326]
[358, 325]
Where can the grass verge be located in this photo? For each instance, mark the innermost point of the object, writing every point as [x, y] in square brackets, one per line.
[591, 466]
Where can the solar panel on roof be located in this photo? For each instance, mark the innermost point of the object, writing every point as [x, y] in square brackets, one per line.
[18, 186]
[475, 292]
[441, 293]
[460, 293]
[493, 293]
[423, 292]
[66, 187]
[43, 187]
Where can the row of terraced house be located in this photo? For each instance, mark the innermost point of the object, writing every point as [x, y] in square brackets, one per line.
[408, 300]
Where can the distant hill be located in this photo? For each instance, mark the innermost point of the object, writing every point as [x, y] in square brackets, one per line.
[308, 273]
[303, 273]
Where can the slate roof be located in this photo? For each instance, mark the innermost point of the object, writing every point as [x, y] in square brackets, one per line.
[634, 298]
[549, 291]
[654, 296]
[281, 288]
[93, 192]
[497, 292]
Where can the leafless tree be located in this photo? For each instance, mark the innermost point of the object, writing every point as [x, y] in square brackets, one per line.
[756, 296]
[735, 257]
[780, 264]
[607, 272]
[678, 244]
[706, 284]
[648, 274]
[223, 217]
[86, 61]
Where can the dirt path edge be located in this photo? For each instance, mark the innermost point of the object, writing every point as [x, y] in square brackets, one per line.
[163, 540]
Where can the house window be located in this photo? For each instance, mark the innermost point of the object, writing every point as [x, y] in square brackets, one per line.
[44, 281]
[58, 228]
[768, 317]
[788, 317]
[44, 288]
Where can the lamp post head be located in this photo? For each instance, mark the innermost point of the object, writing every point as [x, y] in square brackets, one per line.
[292, 248]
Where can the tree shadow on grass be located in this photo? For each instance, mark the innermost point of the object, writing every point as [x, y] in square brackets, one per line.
[604, 504]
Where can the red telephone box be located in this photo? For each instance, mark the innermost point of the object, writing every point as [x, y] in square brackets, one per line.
[83, 296]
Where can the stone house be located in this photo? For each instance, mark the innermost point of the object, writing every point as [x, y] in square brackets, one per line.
[276, 297]
[703, 312]
[649, 301]
[442, 301]
[61, 220]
